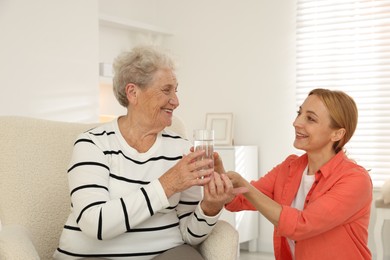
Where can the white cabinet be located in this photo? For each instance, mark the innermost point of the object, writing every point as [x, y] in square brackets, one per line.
[244, 160]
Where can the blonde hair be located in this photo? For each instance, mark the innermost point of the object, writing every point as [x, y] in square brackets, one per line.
[343, 113]
[138, 66]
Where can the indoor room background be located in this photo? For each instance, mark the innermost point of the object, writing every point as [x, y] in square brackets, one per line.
[233, 57]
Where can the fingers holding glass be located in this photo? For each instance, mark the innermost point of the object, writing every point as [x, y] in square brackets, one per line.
[204, 141]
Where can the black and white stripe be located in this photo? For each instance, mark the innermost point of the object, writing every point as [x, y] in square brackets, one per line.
[118, 200]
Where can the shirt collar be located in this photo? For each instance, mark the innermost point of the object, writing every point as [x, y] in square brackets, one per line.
[328, 168]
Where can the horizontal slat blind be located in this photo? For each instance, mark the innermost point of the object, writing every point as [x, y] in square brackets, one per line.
[345, 45]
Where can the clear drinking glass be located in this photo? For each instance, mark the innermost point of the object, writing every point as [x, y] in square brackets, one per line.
[204, 140]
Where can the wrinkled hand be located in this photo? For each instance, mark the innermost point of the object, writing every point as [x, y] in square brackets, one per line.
[186, 173]
[217, 193]
[218, 164]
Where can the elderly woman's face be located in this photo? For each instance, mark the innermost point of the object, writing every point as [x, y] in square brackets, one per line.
[158, 100]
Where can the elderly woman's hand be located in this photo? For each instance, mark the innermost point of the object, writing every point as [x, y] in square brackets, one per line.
[188, 172]
[218, 164]
[218, 192]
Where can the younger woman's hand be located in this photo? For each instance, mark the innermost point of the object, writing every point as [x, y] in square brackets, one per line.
[237, 180]
[218, 164]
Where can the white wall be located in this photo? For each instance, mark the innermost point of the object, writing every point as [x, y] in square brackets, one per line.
[48, 63]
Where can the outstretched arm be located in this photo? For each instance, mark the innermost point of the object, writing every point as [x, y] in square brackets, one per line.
[265, 205]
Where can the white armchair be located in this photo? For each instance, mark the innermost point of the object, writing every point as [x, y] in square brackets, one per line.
[382, 207]
[34, 197]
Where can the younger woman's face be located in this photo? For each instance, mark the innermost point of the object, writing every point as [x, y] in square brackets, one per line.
[312, 127]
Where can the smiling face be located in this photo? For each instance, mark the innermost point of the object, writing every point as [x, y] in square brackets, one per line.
[155, 103]
[313, 133]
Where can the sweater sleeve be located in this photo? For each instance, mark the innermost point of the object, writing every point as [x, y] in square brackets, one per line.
[195, 226]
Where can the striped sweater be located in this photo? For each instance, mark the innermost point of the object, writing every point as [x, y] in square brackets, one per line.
[119, 209]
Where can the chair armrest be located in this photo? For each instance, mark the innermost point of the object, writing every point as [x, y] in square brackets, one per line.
[16, 244]
[221, 244]
[385, 192]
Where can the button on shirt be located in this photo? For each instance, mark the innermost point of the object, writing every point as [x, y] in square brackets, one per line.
[334, 221]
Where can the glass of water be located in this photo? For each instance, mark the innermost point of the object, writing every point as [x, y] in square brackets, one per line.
[204, 140]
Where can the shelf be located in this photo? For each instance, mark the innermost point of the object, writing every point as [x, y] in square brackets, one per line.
[117, 22]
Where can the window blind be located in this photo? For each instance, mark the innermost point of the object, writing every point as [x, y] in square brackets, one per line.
[345, 45]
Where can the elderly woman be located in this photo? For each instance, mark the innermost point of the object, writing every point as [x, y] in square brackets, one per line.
[319, 202]
[135, 187]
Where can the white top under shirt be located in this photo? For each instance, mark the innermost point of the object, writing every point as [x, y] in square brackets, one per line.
[299, 201]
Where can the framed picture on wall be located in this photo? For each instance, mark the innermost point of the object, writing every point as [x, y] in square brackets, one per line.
[222, 124]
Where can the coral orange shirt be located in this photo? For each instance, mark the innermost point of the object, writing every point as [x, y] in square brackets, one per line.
[334, 222]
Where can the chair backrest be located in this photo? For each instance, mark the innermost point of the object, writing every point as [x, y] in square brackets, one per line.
[178, 127]
[385, 192]
[33, 189]
[35, 154]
